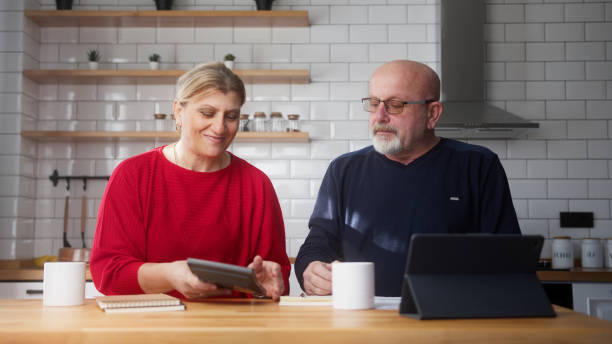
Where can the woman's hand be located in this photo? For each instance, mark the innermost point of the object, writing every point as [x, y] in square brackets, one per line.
[164, 277]
[269, 275]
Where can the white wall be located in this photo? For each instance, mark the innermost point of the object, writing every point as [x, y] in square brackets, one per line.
[551, 62]
[548, 61]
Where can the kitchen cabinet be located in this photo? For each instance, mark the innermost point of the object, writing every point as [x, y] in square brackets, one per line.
[588, 290]
[594, 299]
[34, 290]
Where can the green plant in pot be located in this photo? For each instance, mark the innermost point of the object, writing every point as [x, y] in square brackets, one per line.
[93, 56]
[163, 5]
[154, 60]
[228, 60]
[264, 5]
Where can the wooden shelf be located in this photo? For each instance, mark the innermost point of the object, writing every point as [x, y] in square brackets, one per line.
[144, 76]
[576, 275]
[47, 135]
[52, 18]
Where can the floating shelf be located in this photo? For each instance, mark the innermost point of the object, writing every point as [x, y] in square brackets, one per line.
[144, 76]
[48, 135]
[194, 18]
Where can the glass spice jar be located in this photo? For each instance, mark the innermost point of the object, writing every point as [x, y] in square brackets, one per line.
[276, 121]
[293, 122]
[259, 121]
[160, 120]
[243, 124]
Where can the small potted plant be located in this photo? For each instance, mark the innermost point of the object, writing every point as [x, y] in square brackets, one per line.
[228, 60]
[63, 4]
[265, 5]
[154, 61]
[163, 5]
[93, 56]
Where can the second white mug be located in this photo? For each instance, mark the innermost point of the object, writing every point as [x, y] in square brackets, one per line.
[353, 285]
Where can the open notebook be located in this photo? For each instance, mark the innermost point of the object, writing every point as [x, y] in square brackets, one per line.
[139, 303]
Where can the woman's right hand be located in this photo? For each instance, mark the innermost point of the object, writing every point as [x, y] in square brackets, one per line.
[165, 277]
[188, 284]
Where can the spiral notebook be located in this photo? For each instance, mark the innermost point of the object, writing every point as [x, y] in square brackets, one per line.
[139, 303]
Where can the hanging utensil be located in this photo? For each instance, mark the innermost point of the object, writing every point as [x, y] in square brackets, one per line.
[67, 253]
[83, 218]
[66, 243]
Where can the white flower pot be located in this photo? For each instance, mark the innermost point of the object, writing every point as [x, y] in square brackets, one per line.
[229, 64]
[93, 65]
[153, 65]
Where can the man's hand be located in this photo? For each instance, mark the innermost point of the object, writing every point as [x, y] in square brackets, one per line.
[269, 275]
[317, 278]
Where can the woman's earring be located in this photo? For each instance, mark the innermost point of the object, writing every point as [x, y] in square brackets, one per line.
[178, 126]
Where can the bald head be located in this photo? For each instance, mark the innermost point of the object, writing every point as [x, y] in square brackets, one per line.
[422, 81]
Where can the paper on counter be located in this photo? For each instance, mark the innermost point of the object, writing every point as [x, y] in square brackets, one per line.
[380, 302]
[305, 301]
[386, 302]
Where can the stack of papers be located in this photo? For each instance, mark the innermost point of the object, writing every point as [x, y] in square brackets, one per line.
[139, 303]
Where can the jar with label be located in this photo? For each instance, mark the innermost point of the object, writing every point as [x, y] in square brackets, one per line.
[608, 253]
[259, 121]
[562, 253]
[293, 123]
[243, 125]
[160, 121]
[592, 255]
[277, 121]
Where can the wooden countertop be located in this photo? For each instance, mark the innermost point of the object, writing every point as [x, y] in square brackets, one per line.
[574, 275]
[263, 321]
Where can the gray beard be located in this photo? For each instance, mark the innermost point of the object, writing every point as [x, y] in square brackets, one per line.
[387, 147]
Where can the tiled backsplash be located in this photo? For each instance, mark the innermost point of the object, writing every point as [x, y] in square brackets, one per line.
[548, 61]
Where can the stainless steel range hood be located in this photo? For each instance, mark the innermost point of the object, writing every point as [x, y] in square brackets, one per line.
[466, 115]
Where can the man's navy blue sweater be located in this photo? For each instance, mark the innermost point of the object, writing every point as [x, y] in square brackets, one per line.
[368, 206]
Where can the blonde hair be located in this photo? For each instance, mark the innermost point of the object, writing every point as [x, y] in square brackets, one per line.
[208, 78]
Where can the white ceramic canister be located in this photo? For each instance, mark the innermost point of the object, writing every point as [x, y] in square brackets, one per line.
[608, 253]
[592, 255]
[562, 253]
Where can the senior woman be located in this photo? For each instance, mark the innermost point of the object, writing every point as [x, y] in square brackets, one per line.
[191, 198]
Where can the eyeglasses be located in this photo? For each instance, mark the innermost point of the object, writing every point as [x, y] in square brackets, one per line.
[392, 106]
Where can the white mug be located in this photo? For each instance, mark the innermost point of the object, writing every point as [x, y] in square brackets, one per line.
[353, 285]
[64, 283]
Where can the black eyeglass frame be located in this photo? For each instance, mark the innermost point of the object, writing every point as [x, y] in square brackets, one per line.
[367, 100]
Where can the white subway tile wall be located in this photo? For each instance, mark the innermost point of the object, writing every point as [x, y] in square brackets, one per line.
[547, 61]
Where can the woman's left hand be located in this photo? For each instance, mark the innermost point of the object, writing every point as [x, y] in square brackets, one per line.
[269, 275]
